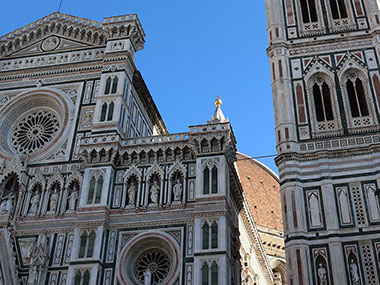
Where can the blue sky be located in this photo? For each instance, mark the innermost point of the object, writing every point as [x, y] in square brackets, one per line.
[194, 50]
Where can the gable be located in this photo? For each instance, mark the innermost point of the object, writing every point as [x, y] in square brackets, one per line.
[50, 43]
[53, 33]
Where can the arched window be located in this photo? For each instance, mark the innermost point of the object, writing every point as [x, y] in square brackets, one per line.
[114, 84]
[77, 278]
[99, 188]
[205, 274]
[309, 11]
[91, 243]
[95, 190]
[214, 180]
[214, 235]
[356, 97]
[110, 111]
[83, 243]
[86, 278]
[91, 191]
[104, 112]
[10, 186]
[108, 86]
[206, 181]
[338, 9]
[205, 236]
[214, 274]
[322, 101]
[210, 183]
[87, 243]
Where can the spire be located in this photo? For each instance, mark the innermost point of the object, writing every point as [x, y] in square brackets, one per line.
[218, 116]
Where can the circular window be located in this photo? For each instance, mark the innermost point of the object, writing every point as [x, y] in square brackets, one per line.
[157, 262]
[35, 131]
[35, 123]
[154, 254]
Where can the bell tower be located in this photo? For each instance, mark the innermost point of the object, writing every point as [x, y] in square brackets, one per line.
[324, 60]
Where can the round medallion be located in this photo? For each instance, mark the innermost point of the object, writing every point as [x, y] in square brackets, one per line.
[35, 131]
[35, 123]
[152, 256]
[51, 43]
[157, 262]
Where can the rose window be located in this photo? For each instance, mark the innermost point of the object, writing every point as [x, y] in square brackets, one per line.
[158, 263]
[35, 131]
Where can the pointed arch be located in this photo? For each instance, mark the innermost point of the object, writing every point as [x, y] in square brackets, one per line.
[103, 112]
[155, 169]
[108, 85]
[177, 167]
[214, 273]
[204, 273]
[114, 85]
[38, 179]
[111, 107]
[132, 171]
[205, 236]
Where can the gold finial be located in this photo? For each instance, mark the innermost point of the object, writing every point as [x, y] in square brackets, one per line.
[218, 101]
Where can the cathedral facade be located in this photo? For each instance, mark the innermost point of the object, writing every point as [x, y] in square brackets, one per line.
[324, 59]
[93, 188]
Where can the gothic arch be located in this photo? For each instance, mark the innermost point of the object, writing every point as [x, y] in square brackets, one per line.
[155, 169]
[353, 74]
[323, 106]
[38, 179]
[177, 167]
[57, 177]
[211, 162]
[75, 176]
[133, 171]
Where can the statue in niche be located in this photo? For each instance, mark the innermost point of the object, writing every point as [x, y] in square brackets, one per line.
[35, 202]
[9, 205]
[72, 200]
[154, 192]
[354, 270]
[6, 206]
[177, 189]
[3, 206]
[132, 190]
[322, 274]
[53, 202]
[147, 277]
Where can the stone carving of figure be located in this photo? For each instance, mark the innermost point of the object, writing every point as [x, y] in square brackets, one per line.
[132, 194]
[38, 260]
[33, 275]
[3, 205]
[354, 273]
[178, 191]
[26, 247]
[35, 201]
[8, 206]
[322, 275]
[40, 252]
[53, 201]
[154, 191]
[147, 277]
[72, 200]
